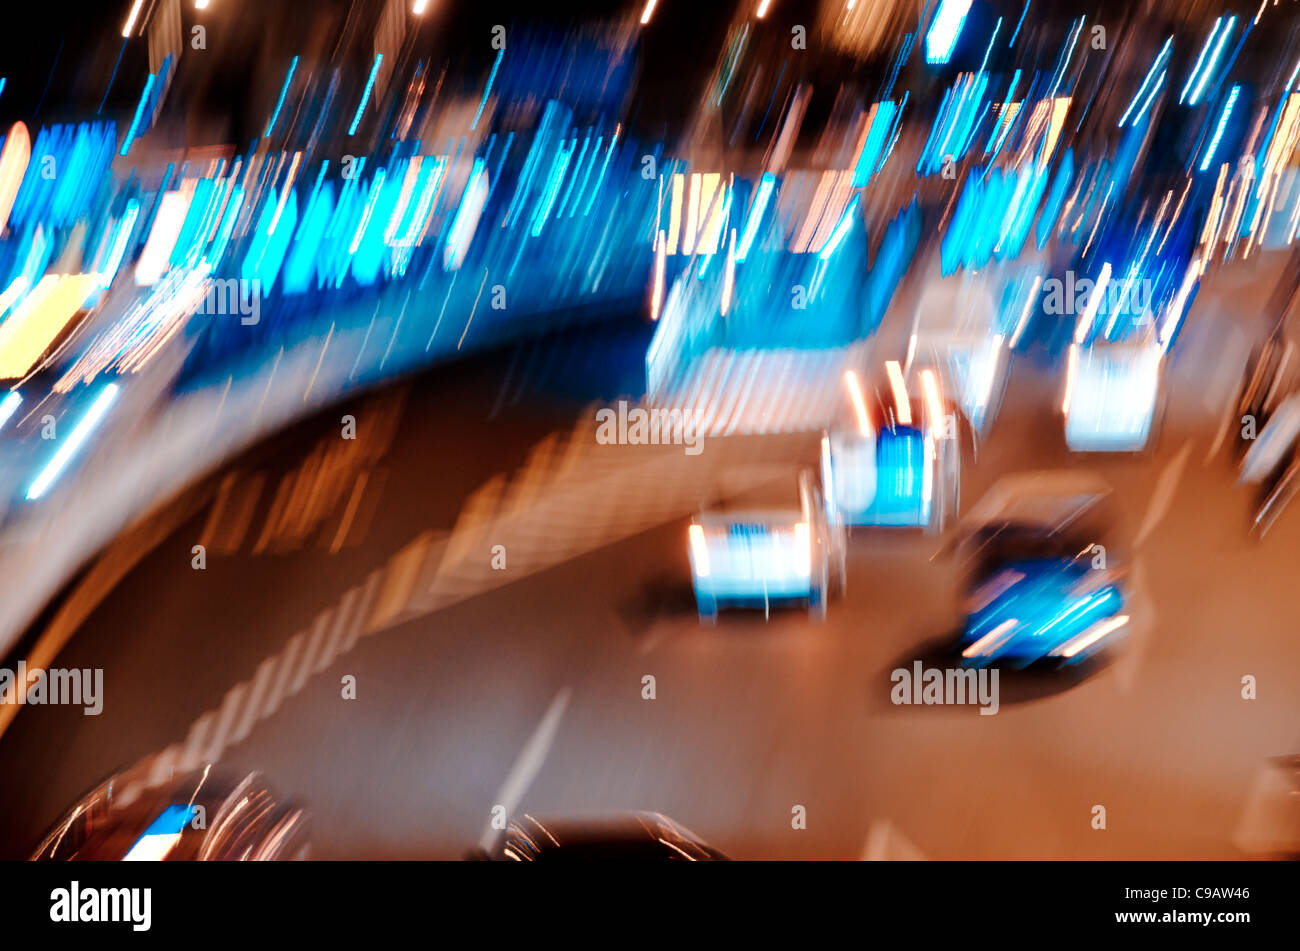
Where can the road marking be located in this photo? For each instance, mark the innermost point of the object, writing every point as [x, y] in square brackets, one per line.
[1269, 819]
[885, 843]
[307, 662]
[542, 526]
[255, 700]
[1163, 496]
[651, 640]
[332, 634]
[1225, 427]
[400, 577]
[1139, 638]
[195, 739]
[529, 763]
[344, 619]
[119, 559]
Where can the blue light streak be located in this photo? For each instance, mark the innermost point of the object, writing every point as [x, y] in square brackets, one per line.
[365, 96]
[765, 187]
[139, 112]
[1214, 58]
[841, 230]
[496, 64]
[79, 435]
[1159, 61]
[284, 90]
[945, 29]
[1218, 132]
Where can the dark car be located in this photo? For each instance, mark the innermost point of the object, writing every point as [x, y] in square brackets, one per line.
[633, 837]
[1041, 587]
[1260, 390]
[207, 815]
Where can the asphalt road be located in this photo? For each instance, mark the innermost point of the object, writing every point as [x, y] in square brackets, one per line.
[529, 695]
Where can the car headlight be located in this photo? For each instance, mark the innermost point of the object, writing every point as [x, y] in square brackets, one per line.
[1091, 636]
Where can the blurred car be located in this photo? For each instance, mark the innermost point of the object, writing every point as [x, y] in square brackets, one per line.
[1112, 395]
[205, 815]
[1265, 380]
[956, 330]
[1274, 442]
[1268, 461]
[897, 461]
[1041, 587]
[634, 837]
[1278, 493]
[769, 543]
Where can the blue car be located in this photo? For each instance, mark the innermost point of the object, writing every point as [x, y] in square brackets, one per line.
[1044, 589]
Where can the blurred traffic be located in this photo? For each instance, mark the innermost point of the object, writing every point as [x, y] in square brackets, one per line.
[921, 310]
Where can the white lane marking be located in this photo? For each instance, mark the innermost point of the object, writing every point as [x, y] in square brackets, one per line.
[338, 634]
[255, 700]
[1163, 496]
[288, 660]
[1225, 427]
[307, 662]
[231, 705]
[652, 638]
[1268, 818]
[194, 740]
[278, 677]
[1139, 638]
[885, 843]
[364, 604]
[529, 764]
[545, 523]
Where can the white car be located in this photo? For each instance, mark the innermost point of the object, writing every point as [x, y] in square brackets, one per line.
[1112, 395]
[899, 462]
[765, 544]
[955, 330]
